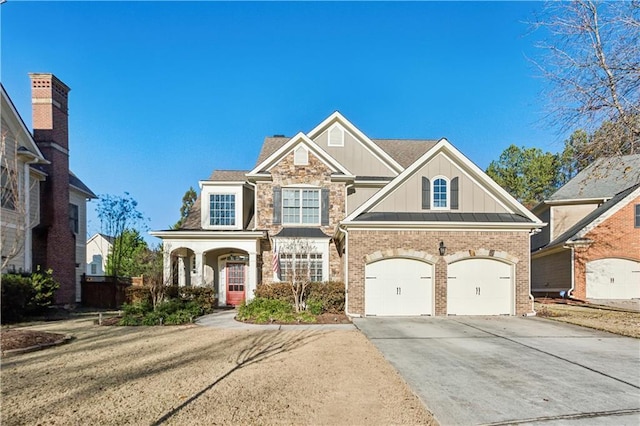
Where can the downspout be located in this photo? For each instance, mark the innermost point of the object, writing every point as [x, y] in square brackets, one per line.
[533, 312]
[573, 272]
[255, 203]
[346, 275]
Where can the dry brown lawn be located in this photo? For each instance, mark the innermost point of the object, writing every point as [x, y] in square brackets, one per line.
[197, 375]
[611, 320]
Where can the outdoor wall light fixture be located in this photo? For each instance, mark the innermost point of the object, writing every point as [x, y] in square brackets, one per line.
[442, 248]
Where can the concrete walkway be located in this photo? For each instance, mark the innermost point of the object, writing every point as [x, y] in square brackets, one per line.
[225, 319]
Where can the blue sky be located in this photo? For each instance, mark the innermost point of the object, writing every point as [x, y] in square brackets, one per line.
[165, 92]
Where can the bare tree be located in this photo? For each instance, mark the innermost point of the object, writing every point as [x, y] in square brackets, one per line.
[15, 220]
[297, 265]
[591, 58]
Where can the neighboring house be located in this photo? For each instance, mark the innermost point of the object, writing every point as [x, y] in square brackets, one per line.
[591, 248]
[57, 205]
[20, 197]
[411, 226]
[98, 248]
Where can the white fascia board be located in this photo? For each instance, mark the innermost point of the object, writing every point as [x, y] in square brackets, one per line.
[34, 147]
[208, 235]
[542, 252]
[222, 183]
[440, 226]
[376, 150]
[575, 201]
[294, 142]
[83, 192]
[476, 174]
[606, 215]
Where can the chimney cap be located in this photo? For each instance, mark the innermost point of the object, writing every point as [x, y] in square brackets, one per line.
[49, 76]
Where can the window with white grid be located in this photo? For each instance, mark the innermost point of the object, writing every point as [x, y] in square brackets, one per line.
[301, 266]
[301, 206]
[222, 208]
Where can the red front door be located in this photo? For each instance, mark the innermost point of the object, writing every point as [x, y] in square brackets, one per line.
[235, 283]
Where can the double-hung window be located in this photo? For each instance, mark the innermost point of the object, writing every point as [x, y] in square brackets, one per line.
[222, 209]
[301, 266]
[637, 223]
[74, 218]
[301, 206]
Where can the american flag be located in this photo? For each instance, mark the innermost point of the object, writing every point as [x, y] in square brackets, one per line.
[275, 260]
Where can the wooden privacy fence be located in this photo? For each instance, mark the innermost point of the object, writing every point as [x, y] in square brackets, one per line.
[103, 292]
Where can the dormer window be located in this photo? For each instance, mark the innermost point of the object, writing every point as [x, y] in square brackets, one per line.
[336, 136]
[222, 209]
[301, 156]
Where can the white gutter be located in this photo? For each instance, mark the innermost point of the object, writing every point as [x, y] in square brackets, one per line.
[533, 312]
[346, 276]
[255, 203]
[573, 269]
[451, 225]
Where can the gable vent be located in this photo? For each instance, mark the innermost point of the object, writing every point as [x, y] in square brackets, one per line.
[336, 136]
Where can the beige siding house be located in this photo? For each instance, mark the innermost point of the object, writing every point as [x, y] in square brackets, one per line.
[412, 227]
[591, 248]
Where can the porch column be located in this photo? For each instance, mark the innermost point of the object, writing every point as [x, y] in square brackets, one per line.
[167, 275]
[199, 267]
[252, 281]
[182, 273]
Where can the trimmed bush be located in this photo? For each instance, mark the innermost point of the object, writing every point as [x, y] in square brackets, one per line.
[321, 297]
[275, 291]
[24, 295]
[135, 294]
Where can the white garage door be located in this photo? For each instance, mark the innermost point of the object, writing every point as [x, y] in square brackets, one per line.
[398, 287]
[613, 279]
[479, 287]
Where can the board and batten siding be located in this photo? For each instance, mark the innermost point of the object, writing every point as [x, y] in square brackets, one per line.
[359, 196]
[354, 156]
[408, 196]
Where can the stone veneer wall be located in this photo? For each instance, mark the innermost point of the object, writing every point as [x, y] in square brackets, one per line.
[616, 237]
[285, 173]
[512, 245]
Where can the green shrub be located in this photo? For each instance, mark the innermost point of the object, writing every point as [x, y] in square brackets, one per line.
[331, 294]
[314, 306]
[45, 288]
[275, 291]
[17, 292]
[202, 296]
[263, 310]
[137, 308]
[130, 320]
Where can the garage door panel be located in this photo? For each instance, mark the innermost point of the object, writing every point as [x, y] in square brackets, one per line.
[613, 278]
[479, 287]
[398, 287]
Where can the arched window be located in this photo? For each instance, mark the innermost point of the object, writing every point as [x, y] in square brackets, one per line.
[440, 193]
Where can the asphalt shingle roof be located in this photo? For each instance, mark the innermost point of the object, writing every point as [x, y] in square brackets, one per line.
[603, 178]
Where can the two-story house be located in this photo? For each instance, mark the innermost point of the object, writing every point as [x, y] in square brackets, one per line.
[53, 216]
[412, 227]
[591, 248]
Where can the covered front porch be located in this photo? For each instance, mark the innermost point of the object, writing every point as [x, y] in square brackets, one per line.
[231, 266]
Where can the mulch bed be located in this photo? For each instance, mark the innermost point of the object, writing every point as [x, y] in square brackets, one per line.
[21, 339]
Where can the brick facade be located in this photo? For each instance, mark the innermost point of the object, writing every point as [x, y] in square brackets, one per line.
[512, 246]
[286, 173]
[54, 244]
[616, 237]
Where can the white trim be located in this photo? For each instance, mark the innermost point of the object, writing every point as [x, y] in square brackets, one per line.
[447, 207]
[443, 146]
[213, 234]
[440, 226]
[295, 141]
[387, 160]
[23, 127]
[299, 189]
[319, 246]
[330, 129]
[301, 156]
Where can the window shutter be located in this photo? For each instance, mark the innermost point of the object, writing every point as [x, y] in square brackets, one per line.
[277, 205]
[426, 193]
[324, 206]
[454, 194]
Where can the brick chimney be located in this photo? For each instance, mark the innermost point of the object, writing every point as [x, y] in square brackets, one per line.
[54, 241]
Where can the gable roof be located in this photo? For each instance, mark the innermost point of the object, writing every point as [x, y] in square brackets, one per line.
[107, 238]
[75, 182]
[603, 212]
[33, 147]
[269, 146]
[602, 179]
[290, 145]
[336, 117]
[443, 146]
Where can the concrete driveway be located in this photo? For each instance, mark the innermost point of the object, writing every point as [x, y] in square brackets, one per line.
[513, 370]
